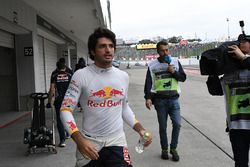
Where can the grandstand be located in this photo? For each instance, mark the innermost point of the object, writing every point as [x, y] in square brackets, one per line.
[131, 53]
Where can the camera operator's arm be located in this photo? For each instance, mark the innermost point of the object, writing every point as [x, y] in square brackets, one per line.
[238, 54]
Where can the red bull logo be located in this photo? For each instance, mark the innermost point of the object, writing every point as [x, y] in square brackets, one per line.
[115, 92]
[62, 78]
[99, 93]
[105, 93]
[105, 103]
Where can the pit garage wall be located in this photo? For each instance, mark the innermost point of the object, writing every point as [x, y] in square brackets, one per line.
[19, 19]
[25, 71]
[20, 15]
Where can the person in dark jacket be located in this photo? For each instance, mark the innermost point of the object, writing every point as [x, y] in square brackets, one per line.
[81, 64]
[237, 98]
[59, 82]
[162, 90]
[62, 61]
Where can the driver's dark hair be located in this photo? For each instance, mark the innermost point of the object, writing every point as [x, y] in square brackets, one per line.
[99, 33]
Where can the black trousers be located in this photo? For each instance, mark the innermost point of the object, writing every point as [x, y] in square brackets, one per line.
[240, 141]
[60, 126]
[114, 156]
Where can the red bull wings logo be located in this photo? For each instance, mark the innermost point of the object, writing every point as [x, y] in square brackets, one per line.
[106, 93]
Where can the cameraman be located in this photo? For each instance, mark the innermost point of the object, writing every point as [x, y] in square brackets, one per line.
[242, 52]
[236, 88]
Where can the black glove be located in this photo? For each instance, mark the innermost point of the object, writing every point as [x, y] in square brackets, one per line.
[48, 105]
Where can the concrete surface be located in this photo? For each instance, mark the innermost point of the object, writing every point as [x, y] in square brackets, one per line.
[203, 141]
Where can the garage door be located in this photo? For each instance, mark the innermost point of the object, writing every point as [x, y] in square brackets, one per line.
[47, 62]
[6, 39]
[8, 79]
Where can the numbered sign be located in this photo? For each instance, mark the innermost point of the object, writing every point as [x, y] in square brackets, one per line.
[28, 51]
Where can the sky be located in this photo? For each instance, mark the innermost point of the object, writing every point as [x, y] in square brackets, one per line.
[204, 19]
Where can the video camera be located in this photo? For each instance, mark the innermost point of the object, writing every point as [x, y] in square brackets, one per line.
[218, 61]
[243, 36]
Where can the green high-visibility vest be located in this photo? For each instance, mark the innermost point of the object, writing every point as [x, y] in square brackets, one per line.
[166, 84]
[162, 81]
[236, 87]
[237, 100]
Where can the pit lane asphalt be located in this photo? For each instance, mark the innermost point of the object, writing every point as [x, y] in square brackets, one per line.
[202, 143]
